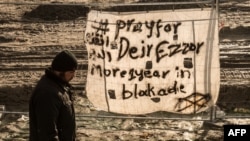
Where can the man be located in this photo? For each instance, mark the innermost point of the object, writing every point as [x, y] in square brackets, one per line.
[51, 111]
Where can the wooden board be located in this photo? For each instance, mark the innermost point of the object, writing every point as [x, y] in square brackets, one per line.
[144, 62]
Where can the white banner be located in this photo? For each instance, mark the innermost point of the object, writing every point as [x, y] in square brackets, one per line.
[145, 62]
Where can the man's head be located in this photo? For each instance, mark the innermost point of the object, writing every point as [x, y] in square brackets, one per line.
[65, 64]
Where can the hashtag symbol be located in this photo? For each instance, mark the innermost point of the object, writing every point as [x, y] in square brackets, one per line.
[102, 28]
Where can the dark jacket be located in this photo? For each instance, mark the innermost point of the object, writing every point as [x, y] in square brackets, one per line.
[51, 111]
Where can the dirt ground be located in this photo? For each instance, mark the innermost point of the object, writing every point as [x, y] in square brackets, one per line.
[32, 34]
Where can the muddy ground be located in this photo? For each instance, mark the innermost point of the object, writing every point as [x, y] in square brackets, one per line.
[32, 34]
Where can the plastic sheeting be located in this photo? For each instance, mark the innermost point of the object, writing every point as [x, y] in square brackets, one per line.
[144, 62]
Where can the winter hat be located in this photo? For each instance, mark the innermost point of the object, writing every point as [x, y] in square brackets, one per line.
[64, 61]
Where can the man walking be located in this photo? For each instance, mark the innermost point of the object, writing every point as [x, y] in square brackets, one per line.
[51, 110]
